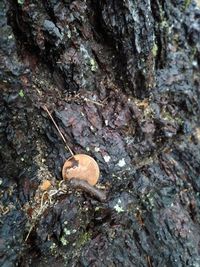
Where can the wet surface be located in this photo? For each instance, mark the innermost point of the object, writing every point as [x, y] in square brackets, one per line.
[134, 110]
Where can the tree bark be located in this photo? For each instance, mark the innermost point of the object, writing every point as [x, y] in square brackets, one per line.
[121, 79]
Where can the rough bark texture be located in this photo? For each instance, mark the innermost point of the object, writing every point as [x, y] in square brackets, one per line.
[121, 79]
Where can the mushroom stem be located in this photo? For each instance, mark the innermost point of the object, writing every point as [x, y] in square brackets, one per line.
[85, 186]
[59, 131]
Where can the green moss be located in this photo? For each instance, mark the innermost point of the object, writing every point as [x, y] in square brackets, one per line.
[186, 4]
[164, 22]
[83, 239]
[168, 117]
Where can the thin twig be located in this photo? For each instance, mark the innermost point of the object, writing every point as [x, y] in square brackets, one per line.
[42, 199]
[92, 101]
[40, 211]
[29, 232]
[59, 131]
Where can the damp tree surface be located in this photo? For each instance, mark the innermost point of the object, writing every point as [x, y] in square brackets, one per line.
[121, 79]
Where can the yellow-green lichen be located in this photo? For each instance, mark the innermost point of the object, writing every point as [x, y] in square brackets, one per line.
[21, 93]
[118, 207]
[20, 2]
[93, 65]
[155, 50]
[64, 241]
[66, 231]
[64, 238]
[53, 249]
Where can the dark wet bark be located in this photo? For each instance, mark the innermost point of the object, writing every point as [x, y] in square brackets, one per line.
[121, 79]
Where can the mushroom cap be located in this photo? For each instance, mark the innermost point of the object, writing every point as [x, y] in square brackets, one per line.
[45, 185]
[82, 167]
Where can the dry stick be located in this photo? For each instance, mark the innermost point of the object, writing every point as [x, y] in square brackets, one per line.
[94, 102]
[37, 216]
[85, 186]
[59, 131]
[29, 232]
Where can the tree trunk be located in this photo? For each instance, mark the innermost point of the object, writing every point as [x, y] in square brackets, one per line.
[121, 79]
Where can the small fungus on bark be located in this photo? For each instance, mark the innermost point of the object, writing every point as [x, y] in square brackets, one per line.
[82, 167]
[45, 185]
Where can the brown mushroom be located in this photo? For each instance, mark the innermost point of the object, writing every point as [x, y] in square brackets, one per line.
[82, 167]
[45, 185]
